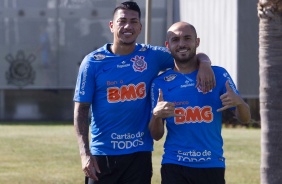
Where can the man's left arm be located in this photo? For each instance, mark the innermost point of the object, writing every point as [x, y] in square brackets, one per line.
[231, 99]
[205, 78]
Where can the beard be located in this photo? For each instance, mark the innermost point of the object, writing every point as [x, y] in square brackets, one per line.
[127, 43]
[184, 59]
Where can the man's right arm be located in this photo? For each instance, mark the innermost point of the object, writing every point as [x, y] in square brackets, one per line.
[156, 127]
[81, 125]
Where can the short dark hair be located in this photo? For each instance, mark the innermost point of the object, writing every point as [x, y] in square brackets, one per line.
[128, 5]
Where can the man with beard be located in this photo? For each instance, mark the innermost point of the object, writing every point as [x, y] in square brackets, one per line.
[193, 152]
[114, 81]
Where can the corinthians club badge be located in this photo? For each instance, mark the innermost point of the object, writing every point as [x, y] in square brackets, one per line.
[139, 63]
[20, 72]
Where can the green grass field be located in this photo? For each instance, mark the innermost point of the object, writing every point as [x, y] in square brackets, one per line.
[48, 154]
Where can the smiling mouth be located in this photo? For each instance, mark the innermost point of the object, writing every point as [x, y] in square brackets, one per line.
[127, 34]
[183, 50]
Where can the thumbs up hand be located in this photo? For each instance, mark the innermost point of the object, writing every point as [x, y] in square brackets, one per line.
[160, 98]
[229, 99]
[163, 108]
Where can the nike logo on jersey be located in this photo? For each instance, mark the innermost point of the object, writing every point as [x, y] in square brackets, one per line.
[106, 69]
[170, 89]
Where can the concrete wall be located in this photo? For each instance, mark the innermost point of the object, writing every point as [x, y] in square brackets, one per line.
[228, 32]
[42, 43]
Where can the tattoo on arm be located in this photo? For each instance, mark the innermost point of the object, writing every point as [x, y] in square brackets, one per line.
[81, 125]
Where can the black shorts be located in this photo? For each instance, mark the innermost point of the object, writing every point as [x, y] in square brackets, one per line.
[174, 174]
[135, 168]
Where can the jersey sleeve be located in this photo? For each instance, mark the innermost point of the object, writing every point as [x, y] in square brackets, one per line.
[164, 58]
[154, 94]
[85, 83]
[226, 76]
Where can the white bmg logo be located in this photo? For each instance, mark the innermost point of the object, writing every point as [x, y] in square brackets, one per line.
[127, 141]
[127, 144]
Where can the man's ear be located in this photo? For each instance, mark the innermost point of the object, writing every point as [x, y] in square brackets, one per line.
[197, 42]
[111, 26]
[166, 44]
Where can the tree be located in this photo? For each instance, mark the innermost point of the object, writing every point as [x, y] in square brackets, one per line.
[270, 91]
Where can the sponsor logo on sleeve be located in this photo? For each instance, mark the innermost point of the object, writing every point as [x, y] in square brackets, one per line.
[170, 77]
[83, 81]
[99, 56]
[231, 83]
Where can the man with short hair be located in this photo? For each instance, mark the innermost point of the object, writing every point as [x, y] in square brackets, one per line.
[193, 149]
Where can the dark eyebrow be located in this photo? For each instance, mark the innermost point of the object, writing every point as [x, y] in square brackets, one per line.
[174, 37]
[123, 18]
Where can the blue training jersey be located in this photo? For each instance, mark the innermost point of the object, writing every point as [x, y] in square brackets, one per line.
[118, 87]
[194, 139]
